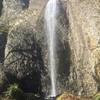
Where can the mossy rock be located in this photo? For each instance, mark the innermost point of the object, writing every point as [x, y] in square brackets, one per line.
[97, 96]
[69, 96]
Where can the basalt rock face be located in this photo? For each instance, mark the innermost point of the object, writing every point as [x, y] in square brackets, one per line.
[23, 60]
[26, 49]
[84, 43]
[23, 55]
[77, 46]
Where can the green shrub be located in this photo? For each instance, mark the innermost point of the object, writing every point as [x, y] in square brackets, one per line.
[97, 96]
[15, 92]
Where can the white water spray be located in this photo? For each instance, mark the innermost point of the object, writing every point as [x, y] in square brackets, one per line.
[51, 22]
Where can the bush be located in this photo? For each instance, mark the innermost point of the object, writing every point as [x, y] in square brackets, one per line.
[15, 92]
[97, 96]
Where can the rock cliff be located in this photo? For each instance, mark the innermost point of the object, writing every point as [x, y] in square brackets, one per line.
[24, 49]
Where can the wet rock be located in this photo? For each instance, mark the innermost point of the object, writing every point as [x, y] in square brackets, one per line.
[63, 55]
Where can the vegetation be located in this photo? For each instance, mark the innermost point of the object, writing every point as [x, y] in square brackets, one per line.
[97, 96]
[15, 92]
[69, 96]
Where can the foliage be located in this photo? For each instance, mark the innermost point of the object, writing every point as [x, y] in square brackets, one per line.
[97, 96]
[15, 92]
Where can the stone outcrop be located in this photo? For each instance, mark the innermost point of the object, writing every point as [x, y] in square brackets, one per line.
[84, 41]
[23, 56]
[26, 49]
[68, 96]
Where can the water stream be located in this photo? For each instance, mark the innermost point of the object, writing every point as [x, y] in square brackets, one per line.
[51, 12]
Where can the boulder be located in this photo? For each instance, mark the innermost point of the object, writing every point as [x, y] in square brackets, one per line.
[23, 56]
[69, 96]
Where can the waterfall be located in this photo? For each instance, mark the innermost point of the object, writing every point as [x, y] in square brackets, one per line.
[51, 12]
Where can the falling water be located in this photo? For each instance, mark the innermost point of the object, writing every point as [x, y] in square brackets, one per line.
[50, 22]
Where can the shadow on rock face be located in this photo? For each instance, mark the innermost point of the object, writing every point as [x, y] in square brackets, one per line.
[64, 56]
[25, 4]
[63, 47]
[3, 41]
[1, 6]
[27, 71]
[63, 52]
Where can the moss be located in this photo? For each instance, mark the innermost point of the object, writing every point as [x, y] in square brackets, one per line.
[15, 92]
[69, 96]
[97, 96]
